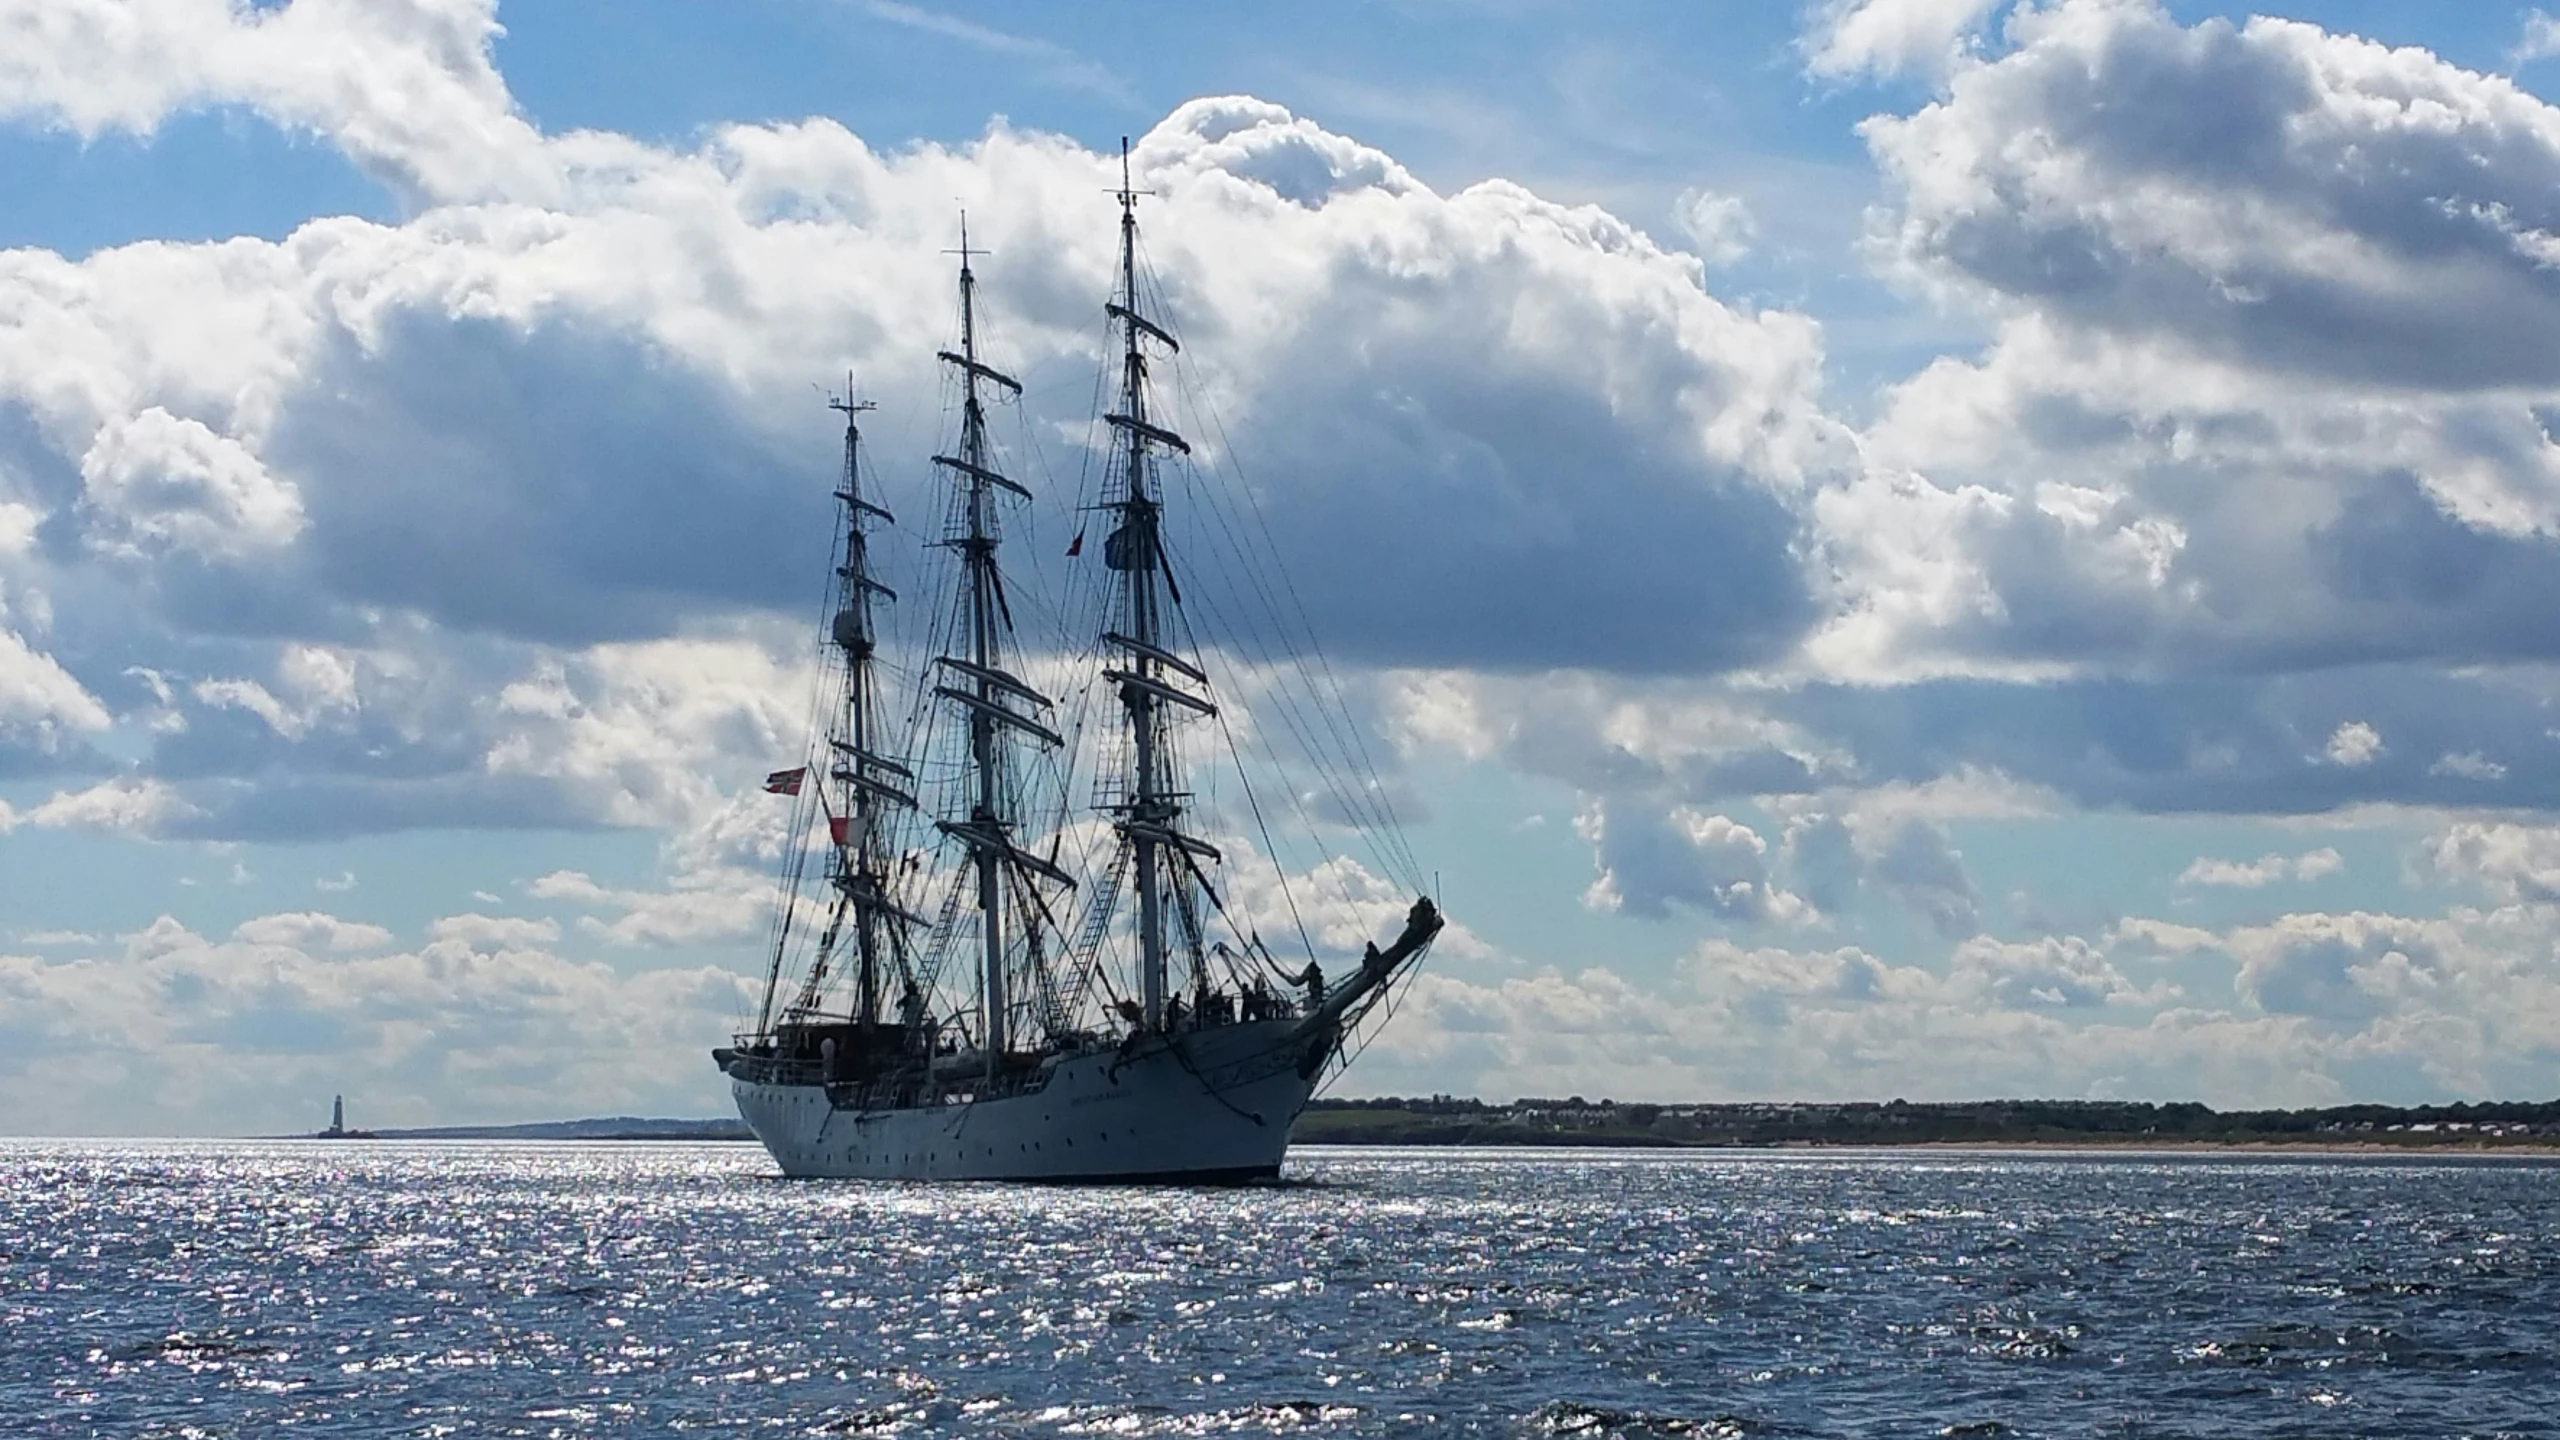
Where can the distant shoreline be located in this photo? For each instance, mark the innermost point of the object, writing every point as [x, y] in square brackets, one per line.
[2506, 1127]
[1440, 1121]
[2544, 1149]
[2538, 1149]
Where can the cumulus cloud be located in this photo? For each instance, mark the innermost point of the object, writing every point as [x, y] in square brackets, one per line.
[2055, 972]
[155, 481]
[2229, 211]
[2263, 293]
[511, 443]
[2468, 765]
[310, 931]
[2264, 871]
[490, 934]
[405, 86]
[2330, 967]
[2354, 745]
[1848, 38]
[1720, 226]
[2308, 1009]
[2272, 296]
[1711, 863]
[714, 906]
[643, 734]
[41, 705]
[2513, 862]
[131, 807]
[186, 1035]
[418, 500]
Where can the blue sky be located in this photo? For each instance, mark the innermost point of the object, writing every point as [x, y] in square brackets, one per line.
[1925, 547]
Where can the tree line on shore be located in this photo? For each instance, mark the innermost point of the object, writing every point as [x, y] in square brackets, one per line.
[1444, 1119]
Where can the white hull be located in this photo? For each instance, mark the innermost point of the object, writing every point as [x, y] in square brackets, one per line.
[1210, 1105]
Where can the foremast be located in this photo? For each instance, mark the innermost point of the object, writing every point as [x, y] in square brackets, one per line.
[864, 791]
[1153, 678]
[1001, 709]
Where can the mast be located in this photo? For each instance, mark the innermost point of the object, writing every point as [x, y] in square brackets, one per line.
[868, 786]
[986, 692]
[1150, 815]
[868, 781]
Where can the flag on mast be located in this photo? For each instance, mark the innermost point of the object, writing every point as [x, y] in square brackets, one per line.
[785, 782]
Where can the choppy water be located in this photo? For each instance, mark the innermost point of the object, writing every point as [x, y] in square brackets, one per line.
[360, 1290]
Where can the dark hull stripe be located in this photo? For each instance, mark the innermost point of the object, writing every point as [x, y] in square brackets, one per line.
[1240, 1175]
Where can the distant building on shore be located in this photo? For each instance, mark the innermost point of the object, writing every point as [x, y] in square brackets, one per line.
[338, 1123]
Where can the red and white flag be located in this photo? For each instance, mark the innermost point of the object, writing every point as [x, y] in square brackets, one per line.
[785, 782]
[838, 825]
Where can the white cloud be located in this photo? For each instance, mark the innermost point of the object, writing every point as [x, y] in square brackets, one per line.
[2468, 765]
[18, 527]
[39, 699]
[2056, 972]
[310, 931]
[2263, 871]
[155, 481]
[2540, 40]
[182, 1035]
[2320, 1008]
[2514, 862]
[1720, 226]
[656, 733]
[2336, 968]
[396, 433]
[405, 86]
[718, 905]
[1848, 38]
[2191, 248]
[134, 807]
[493, 933]
[2354, 745]
[414, 505]
[1836, 1025]
[1713, 864]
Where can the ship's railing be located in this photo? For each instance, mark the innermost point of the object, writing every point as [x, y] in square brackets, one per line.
[773, 1070]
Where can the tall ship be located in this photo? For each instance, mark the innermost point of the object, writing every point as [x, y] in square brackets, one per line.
[1005, 947]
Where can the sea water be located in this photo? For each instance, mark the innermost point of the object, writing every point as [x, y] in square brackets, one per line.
[376, 1289]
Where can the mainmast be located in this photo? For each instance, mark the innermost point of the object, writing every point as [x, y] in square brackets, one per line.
[1164, 857]
[986, 690]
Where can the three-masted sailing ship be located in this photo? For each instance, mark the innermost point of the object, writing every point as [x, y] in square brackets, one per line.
[999, 987]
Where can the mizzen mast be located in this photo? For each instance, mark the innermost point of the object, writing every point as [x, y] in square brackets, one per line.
[1164, 858]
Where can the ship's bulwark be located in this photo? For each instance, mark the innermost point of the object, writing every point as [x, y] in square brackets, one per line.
[1210, 1106]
